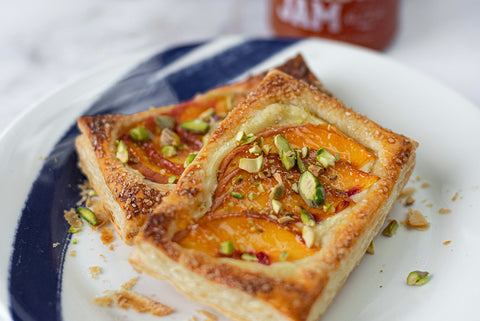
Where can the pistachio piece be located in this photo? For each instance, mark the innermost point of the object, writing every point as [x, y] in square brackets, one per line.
[308, 235]
[417, 278]
[88, 215]
[172, 179]
[305, 151]
[122, 152]
[249, 257]
[169, 151]
[287, 156]
[328, 208]
[285, 219]
[169, 138]
[251, 165]
[255, 150]
[315, 169]
[311, 189]
[196, 126]
[295, 187]
[227, 247]
[140, 134]
[300, 164]
[282, 144]
[243, 138]
[391, 228]
[283, 256]
[371, 248]
[207, 114]
[307, 218]
[325, 158]
[237, 195]
[277, 191]
[165, 122]
[189, 159]
[276, 206]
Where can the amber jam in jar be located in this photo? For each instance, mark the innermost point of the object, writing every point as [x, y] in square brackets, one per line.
[369, 23]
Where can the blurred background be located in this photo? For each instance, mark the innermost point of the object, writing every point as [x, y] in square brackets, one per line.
[45, 43]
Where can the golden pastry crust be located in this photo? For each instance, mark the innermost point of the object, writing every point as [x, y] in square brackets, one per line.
[127, 196]
[294, 290]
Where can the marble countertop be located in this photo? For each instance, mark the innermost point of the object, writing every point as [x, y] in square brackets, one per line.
[45, 43]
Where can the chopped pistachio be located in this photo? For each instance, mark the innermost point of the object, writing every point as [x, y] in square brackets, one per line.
[371, 248]
[122, 152]
[391, 228]
[285, 219]
[169, 151]
[307, 218]
[300, 164]
[169, 138]
[140, 134]
[283, 256]
[244, 138]
[189, 159]
[165, 122]
[305, 151]
[278, 177]
[237, 195]
[88, 215]
[251, 165]
[337, 157]
[276, 206]
[287, 156]
[277, 191]
[74, 230]
[207, 114]
[308, 235]
[172, 179]
[249, 257]
[197, 126]
[260, 142]
[238, 179]
[266, 149]
[315, 169]
[74, 241]
[325, 158]
[295, 187]
[227, 247]
[255, 150]
[262, 175]
[417, 278]
[328, 208]
[311, 189]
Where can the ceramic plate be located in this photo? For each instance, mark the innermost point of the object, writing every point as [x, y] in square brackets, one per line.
[40, 280]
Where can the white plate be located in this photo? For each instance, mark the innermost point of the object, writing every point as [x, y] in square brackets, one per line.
[39, 177]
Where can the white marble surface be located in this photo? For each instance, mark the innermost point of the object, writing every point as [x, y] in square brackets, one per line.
[45, 43]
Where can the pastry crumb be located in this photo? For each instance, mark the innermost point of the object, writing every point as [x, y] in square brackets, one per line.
[111, 247]
[94, 271]
[416, 220]
[407, 192]
[106, 235]
[133, 300]
[209, 316]
[409, 201]
[447, 242]
[444, 211]
[429, 205]
[454, 198]
[129, 284]
[72, 218]
[425, 185]
[54, 245]
[73, 253]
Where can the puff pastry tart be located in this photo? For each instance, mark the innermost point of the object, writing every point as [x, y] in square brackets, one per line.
[278, 207]
[133, 161]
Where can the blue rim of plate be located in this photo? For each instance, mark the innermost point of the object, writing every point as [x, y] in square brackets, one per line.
[36, 267]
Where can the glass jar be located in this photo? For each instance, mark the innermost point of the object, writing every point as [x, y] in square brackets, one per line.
[369, 23]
